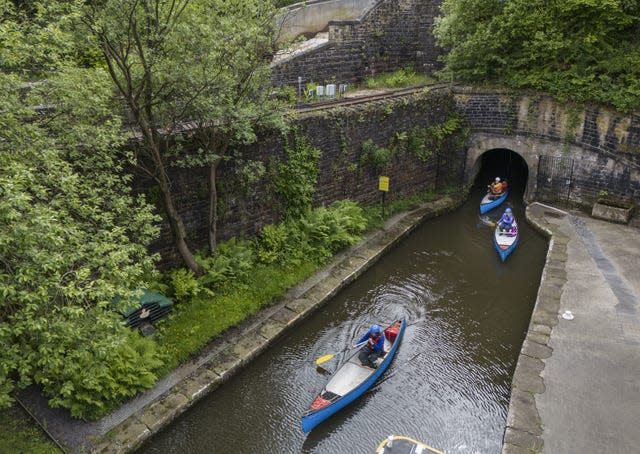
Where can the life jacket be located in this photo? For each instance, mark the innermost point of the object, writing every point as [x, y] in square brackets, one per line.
[377, 344]
[496, 188]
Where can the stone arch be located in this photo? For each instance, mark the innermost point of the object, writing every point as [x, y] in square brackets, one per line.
[527, 148]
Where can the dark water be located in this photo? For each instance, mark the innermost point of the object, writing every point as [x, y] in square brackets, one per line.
[468, 315]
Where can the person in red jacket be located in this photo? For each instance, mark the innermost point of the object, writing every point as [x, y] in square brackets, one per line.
[374, 347]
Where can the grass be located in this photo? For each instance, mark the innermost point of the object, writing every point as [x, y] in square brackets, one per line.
[404, 77]
[20, 434]
[195, 323]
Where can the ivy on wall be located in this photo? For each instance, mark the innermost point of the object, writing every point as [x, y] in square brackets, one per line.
[295, 180]
[425, 143]
[377, 157]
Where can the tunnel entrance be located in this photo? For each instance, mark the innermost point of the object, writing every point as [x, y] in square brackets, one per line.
[506, 164]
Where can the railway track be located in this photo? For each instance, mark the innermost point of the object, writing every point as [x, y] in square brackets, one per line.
[355, 100]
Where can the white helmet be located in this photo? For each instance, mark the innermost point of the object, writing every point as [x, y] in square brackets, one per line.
[497, 179]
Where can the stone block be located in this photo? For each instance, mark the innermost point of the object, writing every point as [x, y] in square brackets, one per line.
[286, 316]
[200, 384]
[161, 413]
[536, 350]
[523, 413]
[225, 364]
[523, 439]
[611, 213]
[249, 345]
[130, 434]
[271, 329]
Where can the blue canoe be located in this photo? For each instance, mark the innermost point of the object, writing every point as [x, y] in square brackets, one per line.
[487, 204]
[351, 380]
[505, 242]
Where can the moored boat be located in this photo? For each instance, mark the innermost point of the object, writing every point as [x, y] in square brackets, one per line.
[490, 201]
[506, 242]
[351, 380]
[399, 444]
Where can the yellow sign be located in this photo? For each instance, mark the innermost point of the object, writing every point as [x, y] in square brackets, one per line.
[383, 184]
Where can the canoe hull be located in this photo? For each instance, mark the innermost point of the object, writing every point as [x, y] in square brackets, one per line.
[487, 205]
[505, 244]
[312, 419]
[399, 444]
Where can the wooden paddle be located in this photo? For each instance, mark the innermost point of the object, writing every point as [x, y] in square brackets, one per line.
[326, 358]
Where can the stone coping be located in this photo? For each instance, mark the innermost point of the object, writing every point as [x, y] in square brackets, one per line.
[523, 432]
[251, 338]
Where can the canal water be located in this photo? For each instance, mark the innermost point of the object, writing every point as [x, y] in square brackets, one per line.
[449, 384]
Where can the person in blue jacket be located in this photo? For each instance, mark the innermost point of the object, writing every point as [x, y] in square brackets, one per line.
[506, 221]
[374, 347]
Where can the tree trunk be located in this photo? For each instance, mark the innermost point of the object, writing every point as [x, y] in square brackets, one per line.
[213, 207]
[177, 228]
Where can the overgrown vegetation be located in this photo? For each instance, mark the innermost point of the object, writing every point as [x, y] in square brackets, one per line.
[295, 179]
[20, 435]
[403, 77]
[373, 155]
[573, 49]
[246, 276]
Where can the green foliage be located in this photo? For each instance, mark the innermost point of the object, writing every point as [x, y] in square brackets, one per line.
[424, 143]
[315, 236]
[377, 157]
[184, 284]
[202, 62]
[402, 77]
[72, 237]
[20, 435]
[576, 50]
[281, 256]
[232, 263]
[97, 368]
[327, 230]
[272, 243]
[295, 180]
[193, 325]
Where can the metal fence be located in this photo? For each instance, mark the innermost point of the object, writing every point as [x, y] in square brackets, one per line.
[555, 176]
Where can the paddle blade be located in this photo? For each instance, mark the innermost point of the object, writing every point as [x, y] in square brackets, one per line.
[325, 358]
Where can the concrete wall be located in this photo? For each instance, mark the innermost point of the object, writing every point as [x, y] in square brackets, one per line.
[306, 18]
[573, 152]
[389, 35]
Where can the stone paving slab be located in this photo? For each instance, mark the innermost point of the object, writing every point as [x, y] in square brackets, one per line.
[576, 387]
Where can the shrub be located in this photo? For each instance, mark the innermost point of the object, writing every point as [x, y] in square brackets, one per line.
[90, 378]
[232, 263]
[184, 284]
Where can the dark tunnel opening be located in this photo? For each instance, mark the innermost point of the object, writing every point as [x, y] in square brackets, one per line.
[505, 164]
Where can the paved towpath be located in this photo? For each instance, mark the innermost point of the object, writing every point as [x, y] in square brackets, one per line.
[577, 383]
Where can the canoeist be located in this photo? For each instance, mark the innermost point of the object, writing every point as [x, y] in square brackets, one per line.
[496, 188]
[506, 221]
[374, 347]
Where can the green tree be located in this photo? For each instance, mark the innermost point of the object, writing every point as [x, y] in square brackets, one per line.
[72, 238]
[577, 50]
[189, 70]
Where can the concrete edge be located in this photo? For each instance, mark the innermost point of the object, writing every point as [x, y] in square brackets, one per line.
[523, 431]
[256, 337]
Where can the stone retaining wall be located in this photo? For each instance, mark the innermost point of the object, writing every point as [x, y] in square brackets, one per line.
[573, 152]
[391, 34]
[339, 134]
